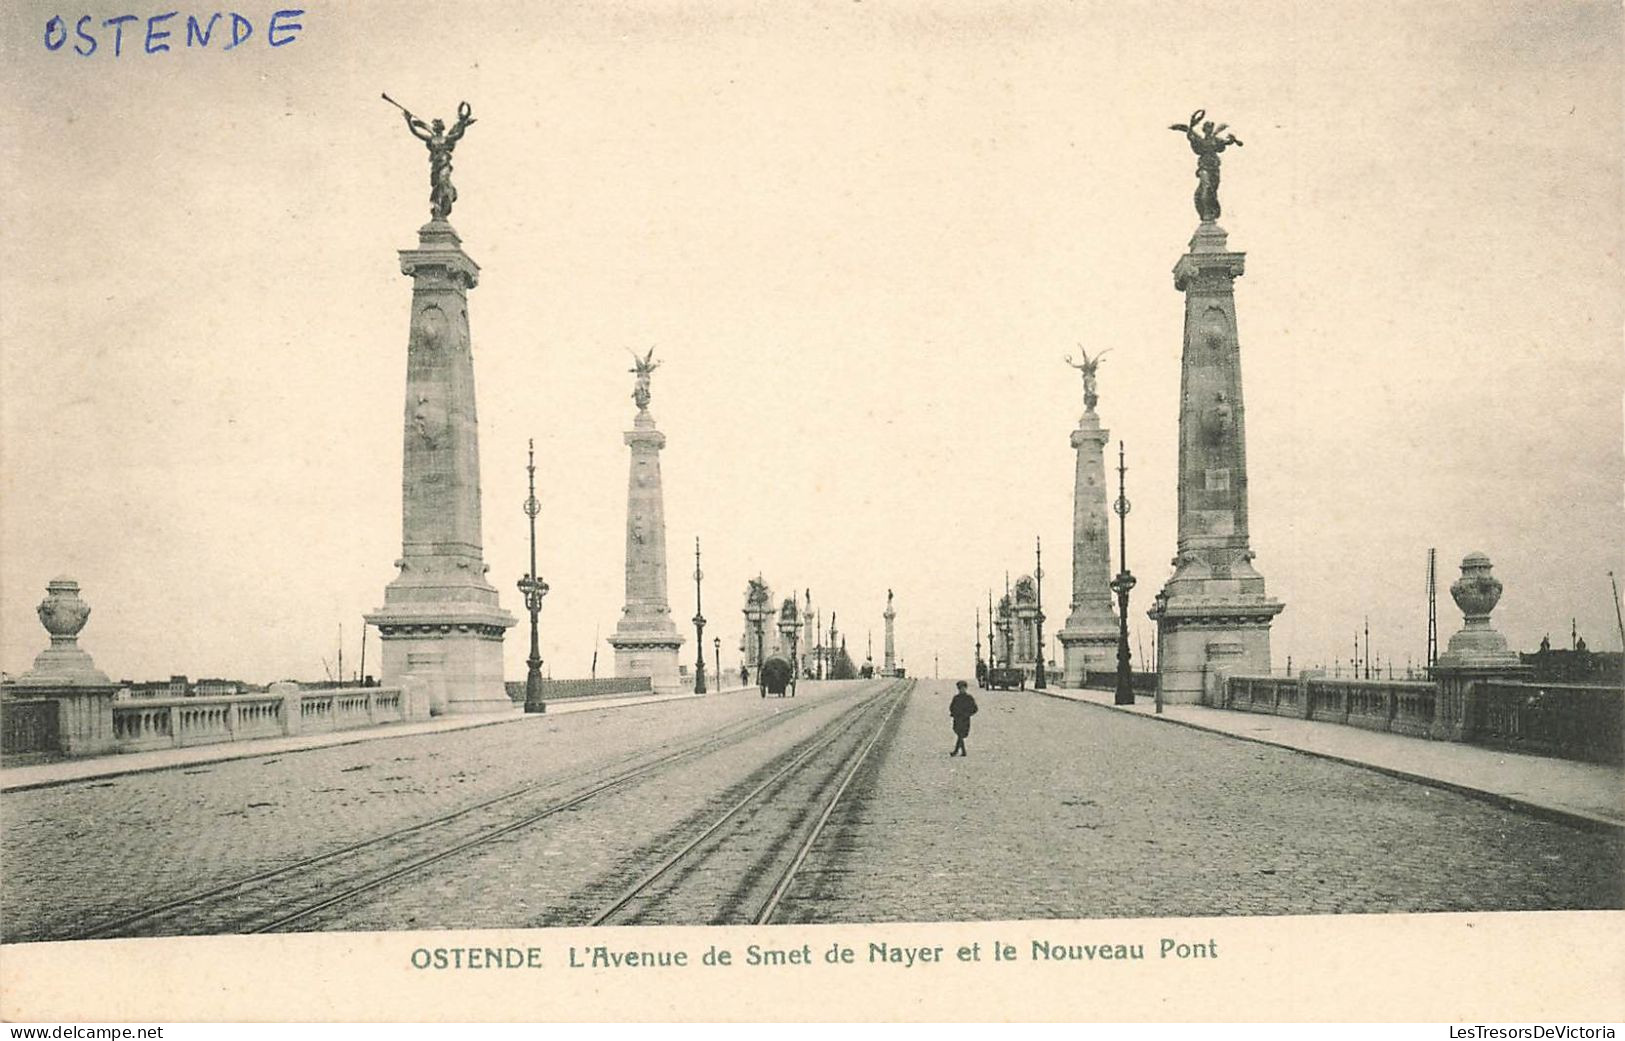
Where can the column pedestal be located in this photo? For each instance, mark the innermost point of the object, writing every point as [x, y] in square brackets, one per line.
[646, 640]
[1089, 637]
[440, 609]
[1213, 613]
[889, 666]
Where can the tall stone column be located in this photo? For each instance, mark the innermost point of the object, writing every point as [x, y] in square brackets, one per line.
[1213, 612]
[646, 641]
[441, 620]
[1089, 638]
[889, 667]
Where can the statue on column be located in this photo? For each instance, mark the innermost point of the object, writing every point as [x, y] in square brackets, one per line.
[440, 141]
[1088, 367]
[1207, 145]
[643, 367]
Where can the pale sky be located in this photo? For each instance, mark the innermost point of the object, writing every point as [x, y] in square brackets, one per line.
[861, 236]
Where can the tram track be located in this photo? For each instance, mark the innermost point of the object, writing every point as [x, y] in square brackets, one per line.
[768, 831]
[283, 896]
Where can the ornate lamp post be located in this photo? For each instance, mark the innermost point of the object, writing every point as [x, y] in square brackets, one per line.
[818, 641]
[1007, 631]
[1038, 576]
[1121, 586]
[533, 589]
[699, 627]
[992, 648]
[980, 668]
[1159, 604]
[716, 648]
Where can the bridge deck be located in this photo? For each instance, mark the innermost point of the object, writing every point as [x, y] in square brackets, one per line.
[1060, 810]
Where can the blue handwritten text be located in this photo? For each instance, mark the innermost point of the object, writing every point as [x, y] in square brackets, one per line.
[88, 35]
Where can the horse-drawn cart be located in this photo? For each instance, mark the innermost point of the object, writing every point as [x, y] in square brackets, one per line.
[778, 677]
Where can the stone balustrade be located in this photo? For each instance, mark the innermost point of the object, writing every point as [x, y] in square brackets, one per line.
[1139, 682]
[28, 725]
[559, 690]
[1570, 721]
[94, 723]
[1395, 706]
[179, 722]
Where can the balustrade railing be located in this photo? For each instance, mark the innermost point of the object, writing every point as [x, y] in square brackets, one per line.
[177, 722]
[558, 690]
[1572, 721]
[1569, 720]
[1138, 682]
[143, 724]
[28, 725]
[1400, 706]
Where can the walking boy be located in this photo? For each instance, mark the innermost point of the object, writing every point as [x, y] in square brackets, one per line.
[961, 708]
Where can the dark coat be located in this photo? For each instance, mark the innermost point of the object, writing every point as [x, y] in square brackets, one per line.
[962, 707]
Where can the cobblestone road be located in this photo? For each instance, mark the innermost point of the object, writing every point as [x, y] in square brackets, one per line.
[1061, 810]
[569, 870]
[1072, 811]
[154, 836]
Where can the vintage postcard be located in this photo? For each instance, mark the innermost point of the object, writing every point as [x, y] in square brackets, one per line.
[719, 510]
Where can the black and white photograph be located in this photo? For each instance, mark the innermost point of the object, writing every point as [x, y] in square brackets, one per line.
[1103, 473]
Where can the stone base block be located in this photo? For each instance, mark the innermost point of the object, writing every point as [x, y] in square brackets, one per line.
[1455, 712]
[1087, 651]
[654, 656]
[1190, 649]
[84, 715]
[458, 658]
[64, 666]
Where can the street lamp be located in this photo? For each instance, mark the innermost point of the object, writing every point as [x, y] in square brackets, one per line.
[699, 627]
[980, 668]
[1121, 585]
[992, 647]
[1159, 607]
[716, 648]
[1038, 576]
[533, 589]
[1007, 632]
[818, 641]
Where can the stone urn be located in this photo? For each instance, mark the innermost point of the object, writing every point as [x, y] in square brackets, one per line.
[1477, 592]
[62, 612]
[63, 663]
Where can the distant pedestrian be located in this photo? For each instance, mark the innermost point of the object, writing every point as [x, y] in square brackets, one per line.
[961, 708]
[744, 675]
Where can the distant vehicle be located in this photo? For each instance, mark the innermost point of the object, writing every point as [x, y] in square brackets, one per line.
[1006, 679]
[778, 677]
